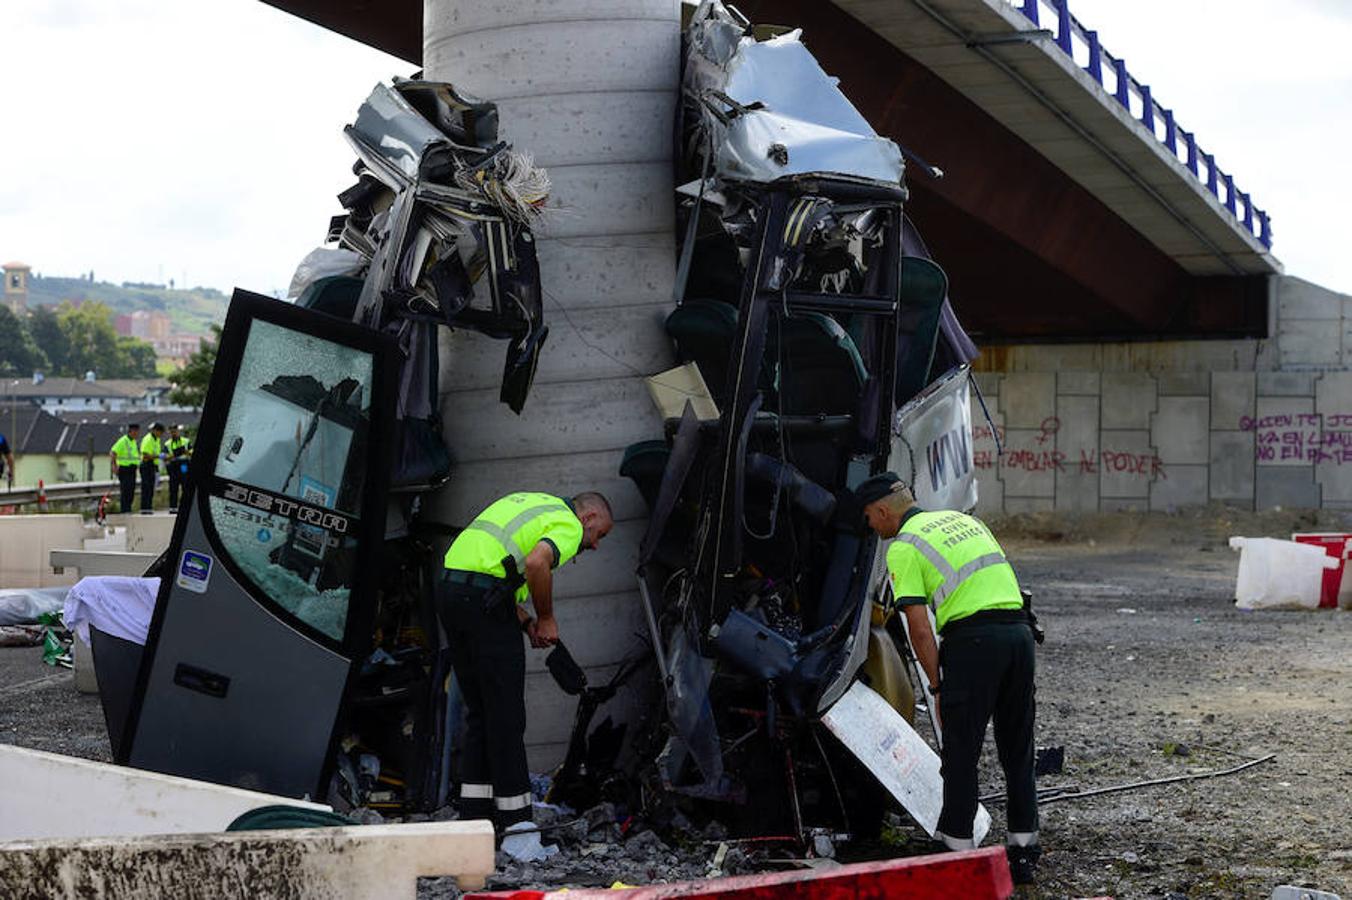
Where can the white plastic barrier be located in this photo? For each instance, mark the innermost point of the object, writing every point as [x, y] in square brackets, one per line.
[47, 795]
[1275, 574]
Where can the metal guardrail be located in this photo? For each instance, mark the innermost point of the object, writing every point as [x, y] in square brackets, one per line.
[64, 490]
[1082, 45]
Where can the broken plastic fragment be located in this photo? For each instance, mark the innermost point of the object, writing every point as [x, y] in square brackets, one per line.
[522, 843]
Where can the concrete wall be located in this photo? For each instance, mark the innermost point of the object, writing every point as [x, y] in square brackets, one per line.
[589, 88]
[1257, 424]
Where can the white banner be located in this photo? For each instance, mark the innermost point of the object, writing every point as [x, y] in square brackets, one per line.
[932, 444]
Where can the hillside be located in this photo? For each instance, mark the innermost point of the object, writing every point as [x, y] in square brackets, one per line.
[192, 311]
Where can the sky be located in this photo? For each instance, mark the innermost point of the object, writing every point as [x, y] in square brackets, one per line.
[154, 139]
[1267, 87]
[149, 140]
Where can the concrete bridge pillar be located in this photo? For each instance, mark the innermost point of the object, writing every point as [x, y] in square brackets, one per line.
[588, 87]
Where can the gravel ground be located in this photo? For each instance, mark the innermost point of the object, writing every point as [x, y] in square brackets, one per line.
[1146, 654]
[1148, 672]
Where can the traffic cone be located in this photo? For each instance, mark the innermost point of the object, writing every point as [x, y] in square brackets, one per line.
[42, 496]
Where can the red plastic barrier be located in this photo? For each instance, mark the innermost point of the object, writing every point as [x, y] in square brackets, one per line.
[1335, 545]
[971, 874]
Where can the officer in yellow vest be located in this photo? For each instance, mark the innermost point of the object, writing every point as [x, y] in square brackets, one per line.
[152, 455]
[125, 456]
[177, 452]
[503, 558]
[984, 668]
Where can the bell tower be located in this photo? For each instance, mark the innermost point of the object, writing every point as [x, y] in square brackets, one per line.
[16, 287]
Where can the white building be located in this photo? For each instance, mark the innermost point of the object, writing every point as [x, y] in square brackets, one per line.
[89, 394]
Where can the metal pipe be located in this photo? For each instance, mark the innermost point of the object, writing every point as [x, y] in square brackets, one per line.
[1117, 788]
[658, 649]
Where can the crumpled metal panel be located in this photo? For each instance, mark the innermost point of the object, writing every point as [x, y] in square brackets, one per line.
[387, 124]
[896, 755]
[770, 110]
[438, 233]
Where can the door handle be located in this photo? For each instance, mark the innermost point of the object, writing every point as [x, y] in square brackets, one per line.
[202, 681]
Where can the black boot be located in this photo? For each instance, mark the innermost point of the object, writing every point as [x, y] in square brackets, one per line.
[1023, 862]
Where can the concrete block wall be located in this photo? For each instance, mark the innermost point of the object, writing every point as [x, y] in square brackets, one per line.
[1256, 424]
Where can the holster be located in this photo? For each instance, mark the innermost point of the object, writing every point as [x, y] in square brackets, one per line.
[505, 590]
[1038, 634]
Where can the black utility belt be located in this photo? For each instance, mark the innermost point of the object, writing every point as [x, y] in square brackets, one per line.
[987, 617]
[474, 579]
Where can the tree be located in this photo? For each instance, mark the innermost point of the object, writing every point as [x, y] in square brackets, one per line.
[47, 334]
[190, 382]
[19, 354]
[91, 338]
[135, 359]
[79, 339]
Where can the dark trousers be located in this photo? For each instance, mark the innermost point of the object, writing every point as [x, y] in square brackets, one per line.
[489, 657]
[126, 482]
[148, 476]
[987, 670]
[178, 477]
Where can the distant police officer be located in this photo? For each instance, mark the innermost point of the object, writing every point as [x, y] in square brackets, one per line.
[6, 462]
[126, 457]
[950, 561]
[504, 557]
[152, 456]
[177, 452]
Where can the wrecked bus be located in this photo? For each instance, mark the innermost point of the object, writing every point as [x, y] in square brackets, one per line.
[818, 348]
[811, 321]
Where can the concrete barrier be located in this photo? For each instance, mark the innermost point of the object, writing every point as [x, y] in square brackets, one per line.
[82, 659]
[99, 562]
[25, 542]
[350, 863]
[150, 534]
[48, 795]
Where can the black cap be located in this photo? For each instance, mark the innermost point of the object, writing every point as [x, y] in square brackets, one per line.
[877, 487]
[131, 425]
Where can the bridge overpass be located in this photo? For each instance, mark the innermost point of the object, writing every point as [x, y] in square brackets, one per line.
[1075, 205]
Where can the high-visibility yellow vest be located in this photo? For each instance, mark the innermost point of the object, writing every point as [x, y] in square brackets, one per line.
[125, 451]
[151, 445]
[173, 444]
[510, 528]
[952, 561]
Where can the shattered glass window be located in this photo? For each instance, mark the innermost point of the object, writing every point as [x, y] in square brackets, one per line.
[292, 457]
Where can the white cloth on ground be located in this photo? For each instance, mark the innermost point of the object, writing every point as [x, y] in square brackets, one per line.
[114, 604]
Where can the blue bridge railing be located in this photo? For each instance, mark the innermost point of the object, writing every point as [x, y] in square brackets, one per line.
[1082, 46]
